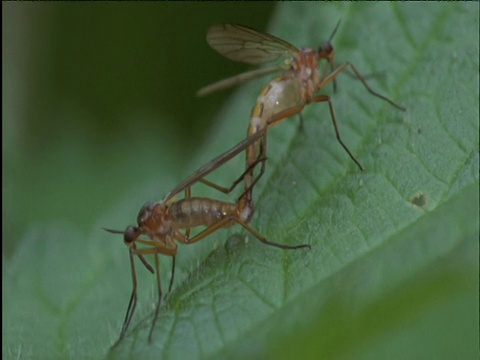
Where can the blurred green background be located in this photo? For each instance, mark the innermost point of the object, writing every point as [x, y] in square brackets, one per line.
[92, 93]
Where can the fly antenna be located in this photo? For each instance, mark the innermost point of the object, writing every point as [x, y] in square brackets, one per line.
[334, 31]
[114, 231]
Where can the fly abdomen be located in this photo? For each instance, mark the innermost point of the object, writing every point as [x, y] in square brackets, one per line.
[188, 213]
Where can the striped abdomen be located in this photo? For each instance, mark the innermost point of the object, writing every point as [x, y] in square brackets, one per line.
[188, 213]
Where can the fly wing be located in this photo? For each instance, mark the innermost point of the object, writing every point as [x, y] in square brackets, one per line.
[243, 44]
[238, 79]
[214, 164]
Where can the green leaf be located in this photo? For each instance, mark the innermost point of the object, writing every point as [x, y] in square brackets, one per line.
[393, 269]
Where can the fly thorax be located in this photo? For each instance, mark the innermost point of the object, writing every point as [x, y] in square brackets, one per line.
[306, 69]
[164, 228]
[153, 218]
[145, 213]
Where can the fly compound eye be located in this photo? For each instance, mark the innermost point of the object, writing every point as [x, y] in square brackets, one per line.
[130, 235]
[325, 49]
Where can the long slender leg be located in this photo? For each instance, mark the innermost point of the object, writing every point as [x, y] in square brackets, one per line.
[373, 75]
[341, 68]
[173, 274]
[222, 223]
[188, 194]
[223, 189]
[131, 304]
[320, 98]
[157, 309]
[248, 189]
[155, 249]
[145, 263]
[236, 182]
[370, 90]
[323, 98]
[209, 230]
[268, 242]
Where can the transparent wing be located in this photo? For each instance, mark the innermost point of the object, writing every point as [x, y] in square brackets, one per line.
[240, 43]
[214, 164]
[238, 79]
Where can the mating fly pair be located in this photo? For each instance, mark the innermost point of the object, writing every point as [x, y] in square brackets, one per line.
[161, 223]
